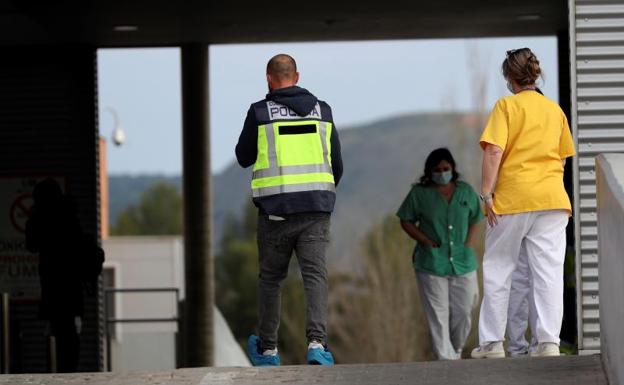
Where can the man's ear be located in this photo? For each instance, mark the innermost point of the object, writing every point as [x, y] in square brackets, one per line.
[269, 79]
[296, 77]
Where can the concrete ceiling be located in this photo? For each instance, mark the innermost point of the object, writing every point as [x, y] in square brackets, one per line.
[168, 23]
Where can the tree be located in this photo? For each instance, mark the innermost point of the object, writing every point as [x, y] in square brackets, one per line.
[158, 213]
[376, 315]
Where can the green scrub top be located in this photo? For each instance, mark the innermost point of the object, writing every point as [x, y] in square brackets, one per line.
[445, 223]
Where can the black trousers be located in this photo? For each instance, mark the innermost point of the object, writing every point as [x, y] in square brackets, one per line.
[67, 343]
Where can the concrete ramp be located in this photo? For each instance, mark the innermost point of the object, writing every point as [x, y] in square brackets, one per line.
[574, 370]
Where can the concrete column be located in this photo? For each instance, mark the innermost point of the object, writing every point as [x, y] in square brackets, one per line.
[569, 328]
[565, 101]
[198, 309]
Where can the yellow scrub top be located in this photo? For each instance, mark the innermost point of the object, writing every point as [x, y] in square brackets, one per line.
[533, 133]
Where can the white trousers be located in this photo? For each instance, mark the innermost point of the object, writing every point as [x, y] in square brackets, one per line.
[542, 235]
[521, 311]
[448, 303]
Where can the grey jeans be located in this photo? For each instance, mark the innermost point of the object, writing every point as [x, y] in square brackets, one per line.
[308, 236]
[448, 302]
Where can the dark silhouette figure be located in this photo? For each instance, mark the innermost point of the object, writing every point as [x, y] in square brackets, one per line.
[54, 232]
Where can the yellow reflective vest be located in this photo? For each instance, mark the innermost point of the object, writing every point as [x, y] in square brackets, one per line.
[294, 152]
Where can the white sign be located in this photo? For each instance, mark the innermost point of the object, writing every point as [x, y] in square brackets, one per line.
[18, 266]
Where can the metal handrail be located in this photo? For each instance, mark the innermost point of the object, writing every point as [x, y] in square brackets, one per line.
[6, 343]
[141, 290]
[109, 321]
[141, 320]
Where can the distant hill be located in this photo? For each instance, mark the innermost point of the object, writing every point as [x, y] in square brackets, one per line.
[382, 159]
[126, 190]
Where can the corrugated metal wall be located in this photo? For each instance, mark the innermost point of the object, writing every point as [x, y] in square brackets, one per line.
[597, 57]
[48, 126]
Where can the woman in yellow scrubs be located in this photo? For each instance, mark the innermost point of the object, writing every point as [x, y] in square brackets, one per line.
[525, 143]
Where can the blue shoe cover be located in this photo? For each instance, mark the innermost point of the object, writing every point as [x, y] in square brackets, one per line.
[256, 356]
[320, 357]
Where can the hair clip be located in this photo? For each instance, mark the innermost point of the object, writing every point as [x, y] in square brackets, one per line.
[513, 51]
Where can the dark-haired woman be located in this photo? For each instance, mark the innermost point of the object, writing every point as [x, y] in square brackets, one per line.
[525, 143]
[441, 214]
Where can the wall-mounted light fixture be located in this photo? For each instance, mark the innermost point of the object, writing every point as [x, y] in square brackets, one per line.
[118, 134]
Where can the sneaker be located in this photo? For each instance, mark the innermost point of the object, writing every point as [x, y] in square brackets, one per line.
[489, 350]
[257, 356]
[319, 354]
[546, 349]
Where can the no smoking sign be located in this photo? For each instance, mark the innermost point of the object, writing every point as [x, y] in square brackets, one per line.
[20, 211]
[16, 204]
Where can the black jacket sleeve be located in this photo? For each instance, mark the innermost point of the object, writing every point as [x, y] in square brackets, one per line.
[247, 147]
[336, 156]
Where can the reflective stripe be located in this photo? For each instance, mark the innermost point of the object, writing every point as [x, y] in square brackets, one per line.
[323, 133]
[290, 188]
[270, 134]
[273, 181]
[267, 156]
[290, 170]
[262, 159]
[327, 139]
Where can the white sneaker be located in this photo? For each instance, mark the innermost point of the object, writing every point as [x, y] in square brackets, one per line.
[546, 349]
[270, 352]
[489, 350]
[315, 345]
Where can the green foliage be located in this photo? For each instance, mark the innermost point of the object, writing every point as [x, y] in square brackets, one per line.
[236, 272]
[158, 213]
[376, 315]
[236, 276]
[126, 190]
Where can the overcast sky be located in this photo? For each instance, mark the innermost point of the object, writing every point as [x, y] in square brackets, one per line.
[362, 81]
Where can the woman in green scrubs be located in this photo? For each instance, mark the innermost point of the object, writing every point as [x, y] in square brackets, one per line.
[442, 213]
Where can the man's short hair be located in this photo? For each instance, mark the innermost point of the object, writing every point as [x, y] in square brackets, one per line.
[282, 66]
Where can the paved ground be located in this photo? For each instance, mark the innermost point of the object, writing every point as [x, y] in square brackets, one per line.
[574, 370]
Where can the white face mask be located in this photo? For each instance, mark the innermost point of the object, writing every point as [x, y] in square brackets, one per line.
[442, 178]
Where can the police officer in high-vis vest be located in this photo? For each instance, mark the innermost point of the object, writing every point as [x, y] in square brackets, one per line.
[290, 139]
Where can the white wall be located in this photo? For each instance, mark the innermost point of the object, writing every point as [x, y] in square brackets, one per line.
[146, 262]
[610, 193]
[155, 262]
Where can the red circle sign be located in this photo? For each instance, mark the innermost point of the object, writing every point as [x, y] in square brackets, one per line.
[20, 211]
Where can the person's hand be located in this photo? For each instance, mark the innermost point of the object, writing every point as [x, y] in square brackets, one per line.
[429, 243]
[489, 212]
